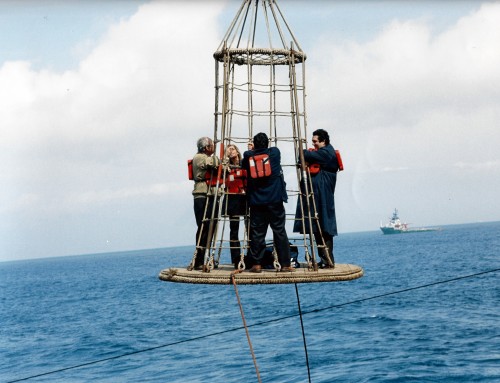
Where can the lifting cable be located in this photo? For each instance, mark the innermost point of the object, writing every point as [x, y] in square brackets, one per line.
[233, 280]
[303, 334]
[260, 323]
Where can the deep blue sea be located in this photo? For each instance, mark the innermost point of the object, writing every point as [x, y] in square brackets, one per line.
[57, 313]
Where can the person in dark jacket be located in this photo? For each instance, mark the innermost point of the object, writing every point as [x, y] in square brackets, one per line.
[265, 198]
[323, 184]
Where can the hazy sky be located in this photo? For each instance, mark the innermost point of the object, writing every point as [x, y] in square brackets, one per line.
[101, 103]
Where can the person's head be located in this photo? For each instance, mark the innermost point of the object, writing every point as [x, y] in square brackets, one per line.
[205, 145]
[320, 138]
[260, 141]
[233, 153]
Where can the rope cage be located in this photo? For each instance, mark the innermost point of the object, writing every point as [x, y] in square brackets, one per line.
[259, 89]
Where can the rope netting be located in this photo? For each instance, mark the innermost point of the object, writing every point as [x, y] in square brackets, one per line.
[259, 87]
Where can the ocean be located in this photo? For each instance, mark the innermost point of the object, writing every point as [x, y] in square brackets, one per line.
[427, 310]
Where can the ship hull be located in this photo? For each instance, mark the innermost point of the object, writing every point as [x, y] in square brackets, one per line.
[390, 230]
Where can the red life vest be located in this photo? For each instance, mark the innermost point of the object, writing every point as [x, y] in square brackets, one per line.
[190, 170]
[260, 165]
[210, 175]
[315, 168]
[339, 160]
[236, 181]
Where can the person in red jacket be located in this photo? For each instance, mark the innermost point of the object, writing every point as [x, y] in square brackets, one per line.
[236, 205]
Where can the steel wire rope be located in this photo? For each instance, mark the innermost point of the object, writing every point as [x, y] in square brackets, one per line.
[236, 20]
[288, 27]
[272, 78]
[251, 28]
[303, 333]
[339, 305]
[233, 281]
[278, 26]
[266, 19]
[241, 26]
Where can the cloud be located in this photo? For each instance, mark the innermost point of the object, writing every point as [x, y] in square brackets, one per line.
[408, 89]
[413, 112]
[119, 127]
[97, 154]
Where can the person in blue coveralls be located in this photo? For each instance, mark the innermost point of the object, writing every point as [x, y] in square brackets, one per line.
[323, 184]
[265, 198]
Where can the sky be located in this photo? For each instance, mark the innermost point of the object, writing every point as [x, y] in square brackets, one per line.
[101, 104]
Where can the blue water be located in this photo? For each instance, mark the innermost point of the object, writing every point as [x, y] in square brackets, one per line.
[62, 312]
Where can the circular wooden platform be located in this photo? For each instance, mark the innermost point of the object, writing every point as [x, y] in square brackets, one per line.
[222, 275]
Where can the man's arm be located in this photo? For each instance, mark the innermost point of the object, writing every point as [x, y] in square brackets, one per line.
[321, 156]
[212, 161]
[244, 161]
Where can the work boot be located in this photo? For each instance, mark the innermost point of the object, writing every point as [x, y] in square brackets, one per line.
[256, 269]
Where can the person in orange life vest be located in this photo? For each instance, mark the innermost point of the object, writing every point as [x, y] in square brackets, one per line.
[203, 161]
[266, 197]
[323, 184]
[236, 202]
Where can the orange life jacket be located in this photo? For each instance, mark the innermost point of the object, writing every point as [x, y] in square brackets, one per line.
[210, 175]
[190, 170]
[315, 168]
[236, 181]
[339, 160]
[260, 165]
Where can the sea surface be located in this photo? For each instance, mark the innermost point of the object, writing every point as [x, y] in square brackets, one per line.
[427, 310]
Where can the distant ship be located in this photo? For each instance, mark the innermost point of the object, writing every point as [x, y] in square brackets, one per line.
[395, 226]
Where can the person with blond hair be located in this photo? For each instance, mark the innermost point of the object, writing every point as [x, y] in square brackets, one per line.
[236, 205]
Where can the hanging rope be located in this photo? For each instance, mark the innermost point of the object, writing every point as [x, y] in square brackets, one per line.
[303, 333]
[233, 280]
